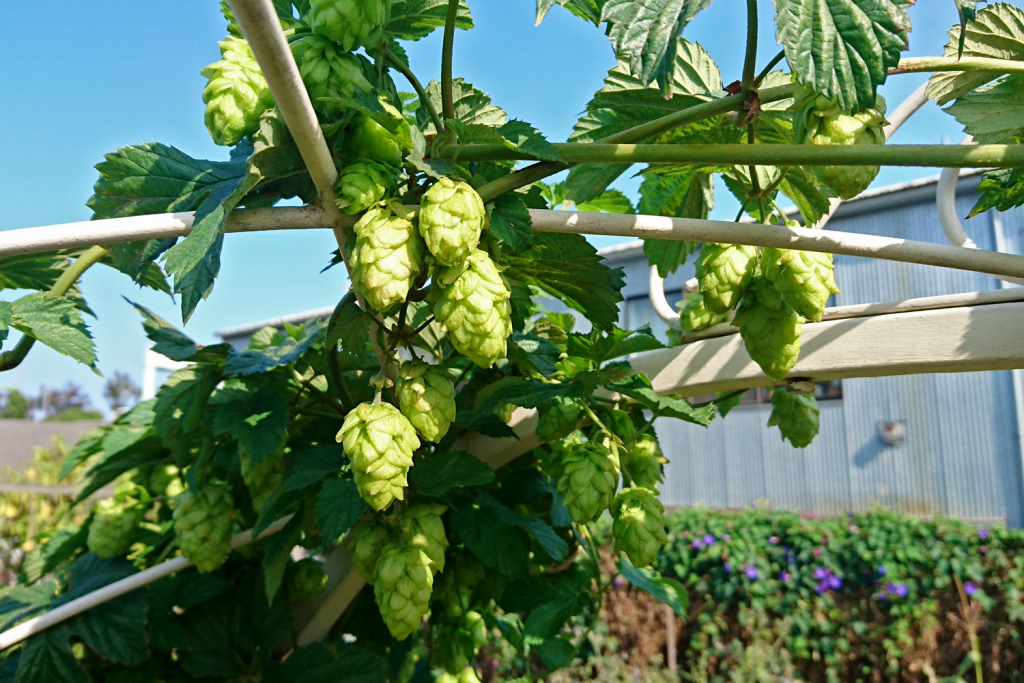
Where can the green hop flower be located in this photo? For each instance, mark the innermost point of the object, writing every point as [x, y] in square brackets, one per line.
[468, 675]
[455, 586]
[203, 523]
[553, 467]
[379, 441]
[350, 22]
[236, 95]
[404, 582]
[263, 477]
[639, 525]
[451, 217]
[796, 416]
[329, 71]
[770, 328]
[367, 138]
[826, 124]
[694, 316]
[164, 481]
[368, 540]
[387, 255]
[645, 462]
[476, 625]
[423, 528]
[474, 308]
[590, 475]
[362, 184]
[426, 395]
[724, 271]
[114, 519]
[805, 279]
[558, 419]
[305, 579]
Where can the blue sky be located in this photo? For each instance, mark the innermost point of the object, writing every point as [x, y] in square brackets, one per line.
[103, 74]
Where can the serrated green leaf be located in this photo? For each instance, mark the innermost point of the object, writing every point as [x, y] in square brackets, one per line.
[1002, 190]
[647, 32]
[258, 419]
[416, 19]
[329, 663]
[996, 32]
[252, 361]
[437, 474]
[20, 603]
[843, 49]
[276, 555]
[350, 325]
[968, 11]
[511, 223]
[638, 388]
[618, 343]
[116, 630]
[556, 652]
[553, 545]
[45, 557]
[992, 114]
[588, 182]
[56, 322]
[610, 201]
[588, 10]
[525, 138]
[6, 318]
[276, 160]
[338, 508]
[808, 193]
[568, 267]
[47, 657]
[472, 107]
[167, 340]
[32, 271]
[683, 196]
[180, 404]
[666, 591]
[497, 544]
[536, 353]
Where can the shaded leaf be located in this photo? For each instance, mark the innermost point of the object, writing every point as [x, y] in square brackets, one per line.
[437, 474]
[276, 555]
[536, 353]
[487, 536]
[1002, 190]
[47, 657]
[616, 344]
[667, 591]
[638, 388]
[167, 340]
[252, 361]
[472, 106]
[338, 508]
[416, 19]
[257, 419]
[611, 201]
[510, 222]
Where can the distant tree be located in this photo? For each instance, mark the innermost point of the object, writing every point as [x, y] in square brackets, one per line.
[120, 391]
[15, 406]
[65, 404]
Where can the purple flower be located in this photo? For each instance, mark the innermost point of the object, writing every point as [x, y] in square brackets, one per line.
[834, 583]
[619, 582]
[970, 588]
[817, 552]
[727, 567]
[849, 515]
[820, 588]
[882, 570]
[983, 534]
[820, 573]
[752, 573]
[784, 577]
[698, 544]
[709, 539]
[854, 528]
[883, 596]
[774, 540]
[901, 590]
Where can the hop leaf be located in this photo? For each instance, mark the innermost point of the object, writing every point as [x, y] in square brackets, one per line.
[694, 315]
[796, 416]
[329, 71]
[349, 22]
[645, 462]
[804, 278]
[451, 217]
[264, 477]
[305, 579]
[387, 256]
[423, 528]
[770, 328]
[202, 523]
[379, 441]
[236, 95]
[590, 475]
[368, 541]
[426, 395]
[363, 184]
[558, 419]
[114, 519]
[826, 124]
[368, 139]
[724, 272]
[639, 525]
[405, 579]
[475, 309]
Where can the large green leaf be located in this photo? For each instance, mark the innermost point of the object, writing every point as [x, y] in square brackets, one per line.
[568, 267]
[638, 388]
[167, 340]
[588, 10]
[472, 107]
[256, 418]
[664, 590]
[437, 474]
[180, 405]
[994, 113]
[647, 32]
[416, 19]
[47, 657]
[56, 322]
[968, 11]
[1002, 190]
[252, 361]
[843, 49]
[338, 508]
[683, 196]
[329, 663]
[511, 223]
[490, 538]
[515, 135]
[997, 32]
[32, 271]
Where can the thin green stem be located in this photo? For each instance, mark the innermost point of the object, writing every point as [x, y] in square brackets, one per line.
[13, 358]
[417, 86]
[755, 184]
[447, 96]
[768, 68]
[912, 65]
[750, 58]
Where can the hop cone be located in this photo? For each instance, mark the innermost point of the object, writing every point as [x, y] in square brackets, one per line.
[368, 540]
[164, 481]
[387, 256]
[329, 71]
[380, 442]
[639, 526]
[796, 416]
[306, 579]
[363, 184]
[423, 528]
[558, 419]
[349, 22]
[235, 94]
[368, 139]
[451, 218]
[589, 478]
[724, 271]
[475, 310]
[770, 328]
[264, 477]
[645, 462]
[404, 581]
[805, 279]
[114, 520]
[554, 468]
[831, 126]
[467, 675]
[426, 395]
[693, 315]
[455, 586]
[202, 523]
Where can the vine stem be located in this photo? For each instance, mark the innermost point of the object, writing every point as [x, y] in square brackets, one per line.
[768, 67]
[417, 86]
[447, 96]
[13, 358]
[910, 65]
[750, 59]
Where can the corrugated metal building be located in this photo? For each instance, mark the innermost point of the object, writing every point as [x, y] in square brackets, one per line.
[962, 453]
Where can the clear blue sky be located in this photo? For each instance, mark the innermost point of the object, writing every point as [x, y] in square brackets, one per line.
[82, 78]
